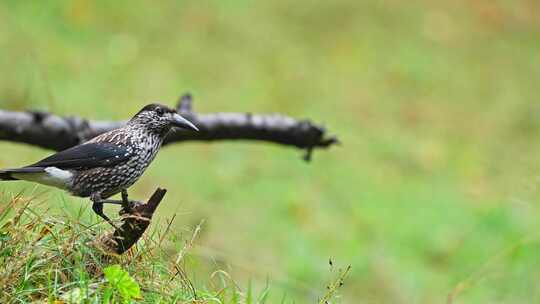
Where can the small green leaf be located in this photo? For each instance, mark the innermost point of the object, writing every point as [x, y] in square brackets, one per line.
[122, 282]
[107, 295]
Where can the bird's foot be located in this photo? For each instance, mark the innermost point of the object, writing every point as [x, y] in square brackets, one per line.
[98, 209]
[129, 206]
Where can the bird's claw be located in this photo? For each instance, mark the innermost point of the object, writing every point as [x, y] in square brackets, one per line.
[129, 207]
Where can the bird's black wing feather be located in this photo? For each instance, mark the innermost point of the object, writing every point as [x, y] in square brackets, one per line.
[89, 155]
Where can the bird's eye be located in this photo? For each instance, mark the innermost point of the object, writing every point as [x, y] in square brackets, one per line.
[160, 111]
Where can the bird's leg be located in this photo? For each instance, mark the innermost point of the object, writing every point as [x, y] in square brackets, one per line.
[125, 199]
[124, 202]
[98, 209]
[97, 206]
[128, 205]
[112, 202]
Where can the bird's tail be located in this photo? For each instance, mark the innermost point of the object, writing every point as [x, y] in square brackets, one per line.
[7, 174]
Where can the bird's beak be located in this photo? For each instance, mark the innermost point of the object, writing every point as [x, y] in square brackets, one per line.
[180, 122]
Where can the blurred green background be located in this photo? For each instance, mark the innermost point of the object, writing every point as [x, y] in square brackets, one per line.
[436, 186]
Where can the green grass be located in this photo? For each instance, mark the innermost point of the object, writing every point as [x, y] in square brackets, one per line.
[435, 188]
[60, 260]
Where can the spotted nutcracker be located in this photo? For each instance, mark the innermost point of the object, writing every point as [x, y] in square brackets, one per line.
[109, 163]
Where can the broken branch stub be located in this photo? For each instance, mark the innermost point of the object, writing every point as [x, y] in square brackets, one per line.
[134, 223]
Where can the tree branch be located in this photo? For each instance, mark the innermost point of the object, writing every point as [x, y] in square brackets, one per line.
[54, 132]
[134, 224]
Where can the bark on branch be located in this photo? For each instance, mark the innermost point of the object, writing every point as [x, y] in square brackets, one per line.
[54, 132]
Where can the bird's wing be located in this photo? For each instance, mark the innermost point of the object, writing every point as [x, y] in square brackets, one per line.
[88, 155]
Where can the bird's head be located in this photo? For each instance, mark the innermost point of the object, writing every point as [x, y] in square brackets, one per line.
[159, 118]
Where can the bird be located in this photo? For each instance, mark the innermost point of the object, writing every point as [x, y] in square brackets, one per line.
[109, 163]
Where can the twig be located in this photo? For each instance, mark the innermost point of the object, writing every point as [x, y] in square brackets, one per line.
[334, 286]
